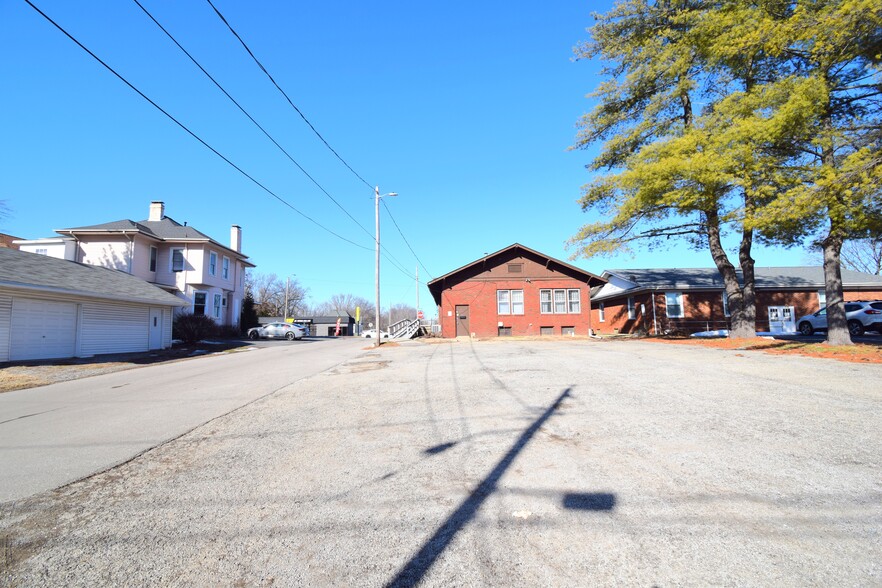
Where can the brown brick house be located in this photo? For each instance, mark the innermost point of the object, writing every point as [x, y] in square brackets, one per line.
[692, 300]
[515, 291]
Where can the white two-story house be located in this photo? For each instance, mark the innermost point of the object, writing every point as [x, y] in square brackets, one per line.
[159, 250]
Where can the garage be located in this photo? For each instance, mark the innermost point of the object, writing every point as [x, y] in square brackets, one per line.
[43, 329]
[53, 308]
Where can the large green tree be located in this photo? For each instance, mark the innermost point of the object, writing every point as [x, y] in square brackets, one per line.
[743, 161]
[835, 47]
[668, 168]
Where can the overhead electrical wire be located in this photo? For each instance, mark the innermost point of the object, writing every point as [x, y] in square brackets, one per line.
[389, 212]
[264, 70]
[251, 118]
[311, 126]
[191, 133]
[395, 262]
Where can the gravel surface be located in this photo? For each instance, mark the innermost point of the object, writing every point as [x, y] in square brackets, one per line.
[506, 463]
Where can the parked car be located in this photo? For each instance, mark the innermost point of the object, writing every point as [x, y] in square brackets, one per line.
[862, 315]
[277, 331]
[372, 333]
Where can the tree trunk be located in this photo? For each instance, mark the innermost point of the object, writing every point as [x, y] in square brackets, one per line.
[837, 324]
[742, 308]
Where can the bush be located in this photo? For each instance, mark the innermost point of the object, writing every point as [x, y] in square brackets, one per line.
[192, 328]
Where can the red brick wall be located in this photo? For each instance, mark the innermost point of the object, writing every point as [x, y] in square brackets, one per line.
[480, 296]
[704, 310]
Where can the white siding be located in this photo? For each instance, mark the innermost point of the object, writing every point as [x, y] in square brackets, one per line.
[5, 323]
[167, 318]
[113, 254]
[113, 328]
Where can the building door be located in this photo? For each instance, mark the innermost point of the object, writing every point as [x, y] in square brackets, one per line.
[42, 329]
[462, 320]
[155, 339]
[781, 320]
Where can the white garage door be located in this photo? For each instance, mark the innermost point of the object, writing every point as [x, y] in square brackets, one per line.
[43, 329]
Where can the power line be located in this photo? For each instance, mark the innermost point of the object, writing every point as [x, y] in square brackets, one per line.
[251, 118]
[185, 128]
[264, 70]
[389, 212]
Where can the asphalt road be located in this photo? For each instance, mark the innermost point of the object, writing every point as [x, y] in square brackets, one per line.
[492, 463]
[56, 434]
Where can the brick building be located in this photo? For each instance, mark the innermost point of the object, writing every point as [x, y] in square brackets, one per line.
[515, 291]
[692, 300]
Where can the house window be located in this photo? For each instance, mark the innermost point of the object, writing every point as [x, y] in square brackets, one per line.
[199, 303]
[546, 330]
[177, 259]
[225, 268]
[212, 263]
[574, 302]
[153, 259]
[632, 312]
[545, 301]
[601, 312]
[517, 302]
[674, 304]
[515, 268]
[726, 304]
[571, 331]
[505, 331]
[217, 306]
[510, 302]
[822, 298]
[42, 251]
[560, 301]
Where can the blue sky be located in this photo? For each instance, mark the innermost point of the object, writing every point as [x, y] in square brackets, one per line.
[466, 109]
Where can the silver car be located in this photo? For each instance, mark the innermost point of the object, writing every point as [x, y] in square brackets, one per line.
[287, 331]
[861, 315]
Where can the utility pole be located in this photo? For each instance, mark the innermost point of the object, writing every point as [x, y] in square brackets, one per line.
[418, 289]
[287, 283]
[378, 339]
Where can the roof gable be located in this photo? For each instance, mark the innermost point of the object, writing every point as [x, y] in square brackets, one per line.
[516, 253]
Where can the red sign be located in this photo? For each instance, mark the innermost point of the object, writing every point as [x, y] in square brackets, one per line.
[419, 314]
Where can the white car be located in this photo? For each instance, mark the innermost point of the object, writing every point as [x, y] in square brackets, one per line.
[289, 331]
[372, 333]
[862, 315]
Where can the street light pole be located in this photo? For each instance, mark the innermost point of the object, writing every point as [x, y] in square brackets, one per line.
[287, 283]
[378, 339]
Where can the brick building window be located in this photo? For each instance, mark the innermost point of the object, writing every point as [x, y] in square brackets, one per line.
[509, 302]
[505, 331]
[632, 312]
[601, 312]
[560, 301]
[674, 304]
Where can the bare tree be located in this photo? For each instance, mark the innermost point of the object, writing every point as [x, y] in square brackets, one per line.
[863, 255]
[269, 293]
[401, 311]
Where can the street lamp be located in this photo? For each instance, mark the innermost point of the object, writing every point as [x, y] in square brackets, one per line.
[379, 339]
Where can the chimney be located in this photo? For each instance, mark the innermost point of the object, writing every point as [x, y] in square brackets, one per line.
[157, 211]
[236, 238]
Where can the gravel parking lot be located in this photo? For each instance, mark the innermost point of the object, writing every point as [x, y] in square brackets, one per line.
[505, 463]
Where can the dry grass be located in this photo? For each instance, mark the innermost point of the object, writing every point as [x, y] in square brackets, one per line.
[14, 379]
[857, 353]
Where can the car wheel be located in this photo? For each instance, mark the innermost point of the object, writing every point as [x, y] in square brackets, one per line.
[855, 328]
[253, 335]
[289, 336]
[806, 328]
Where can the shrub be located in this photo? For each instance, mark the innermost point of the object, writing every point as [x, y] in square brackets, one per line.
[191, 328]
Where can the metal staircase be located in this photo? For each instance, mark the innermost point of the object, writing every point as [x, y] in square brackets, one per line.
[404, 329]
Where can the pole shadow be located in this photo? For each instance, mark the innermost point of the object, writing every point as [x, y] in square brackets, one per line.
[418, 566]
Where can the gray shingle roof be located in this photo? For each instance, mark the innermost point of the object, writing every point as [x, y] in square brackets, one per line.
[29, 271]
[766, 277]
[165, 229]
